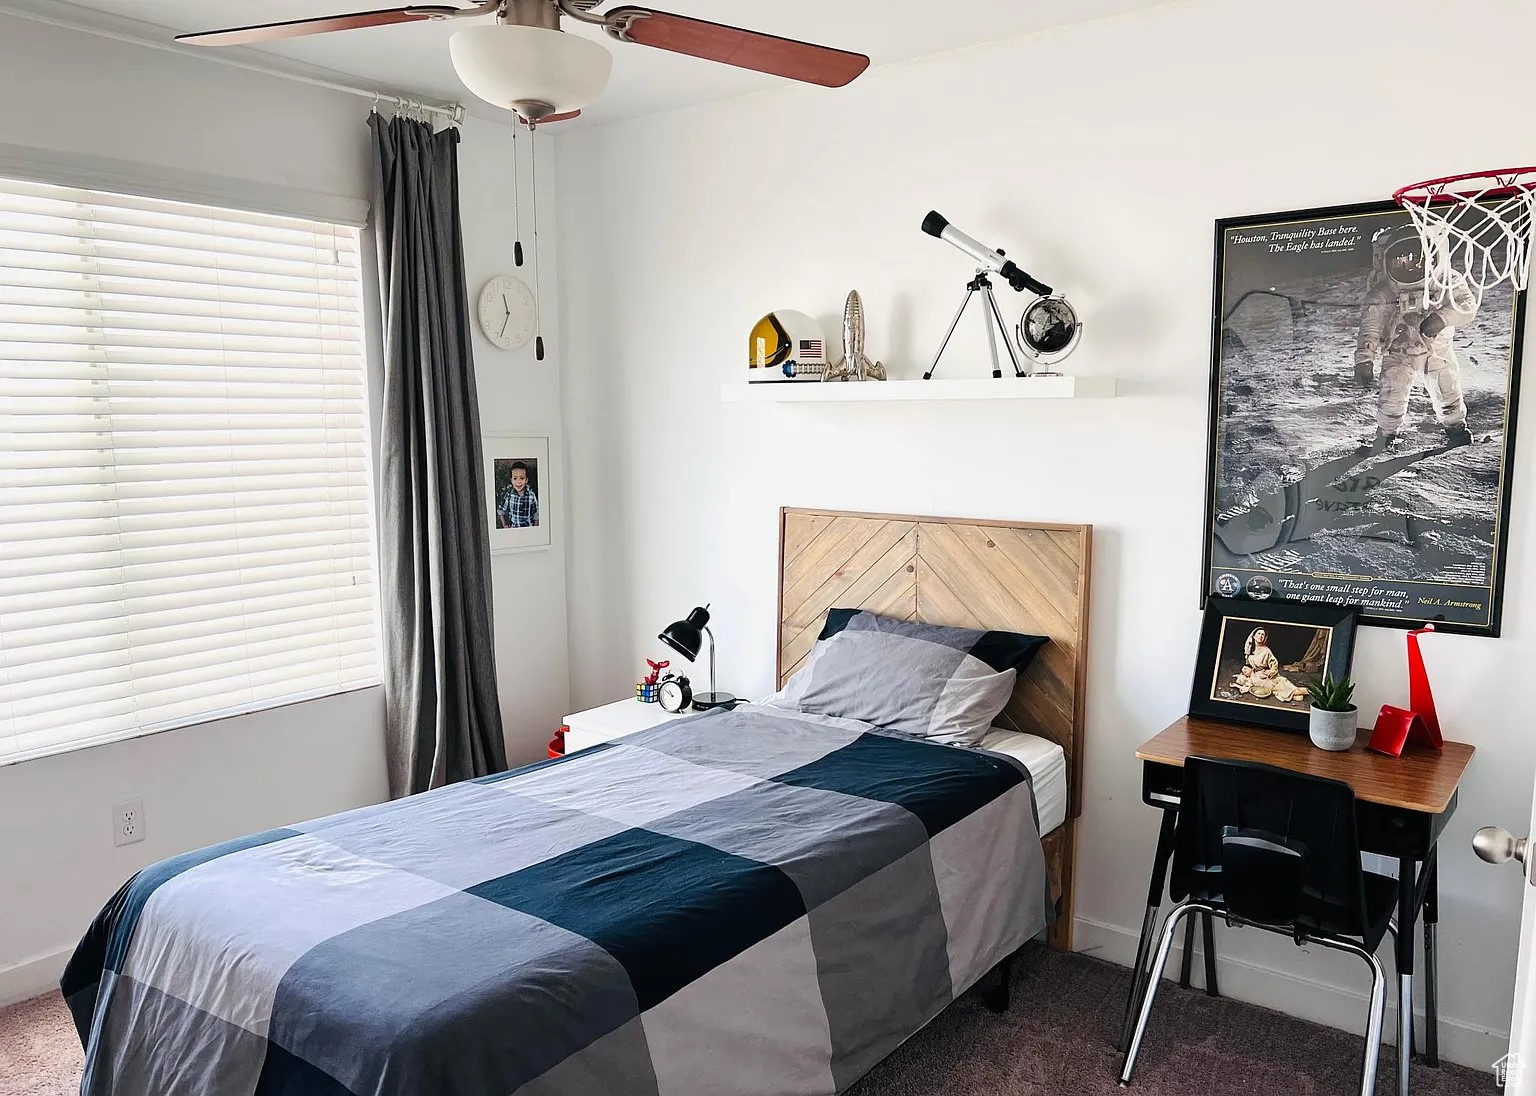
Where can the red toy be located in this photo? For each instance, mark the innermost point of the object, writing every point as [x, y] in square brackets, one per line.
[1395, 727]
[1420, 699]
[655, 675]
[1419, 723]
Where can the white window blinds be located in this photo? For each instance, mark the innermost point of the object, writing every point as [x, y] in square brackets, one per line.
[186, 520]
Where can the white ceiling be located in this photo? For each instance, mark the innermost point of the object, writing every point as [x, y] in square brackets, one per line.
[413, 58]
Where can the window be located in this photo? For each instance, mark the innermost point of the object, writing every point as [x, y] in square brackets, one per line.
[186, 524]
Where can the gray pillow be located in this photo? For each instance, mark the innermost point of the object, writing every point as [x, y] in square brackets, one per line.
[939, 683]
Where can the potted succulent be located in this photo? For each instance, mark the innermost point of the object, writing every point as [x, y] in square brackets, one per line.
[1333, 721]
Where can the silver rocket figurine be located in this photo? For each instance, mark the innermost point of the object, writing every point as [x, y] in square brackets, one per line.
[854, 365]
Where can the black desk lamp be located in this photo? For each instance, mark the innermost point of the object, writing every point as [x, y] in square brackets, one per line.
[686, 637]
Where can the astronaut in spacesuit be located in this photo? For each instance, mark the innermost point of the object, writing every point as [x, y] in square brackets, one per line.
[1413, 344]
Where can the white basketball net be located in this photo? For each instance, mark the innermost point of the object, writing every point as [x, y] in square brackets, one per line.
[1476, 230]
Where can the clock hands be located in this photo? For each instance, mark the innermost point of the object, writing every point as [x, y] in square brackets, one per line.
[507, 288]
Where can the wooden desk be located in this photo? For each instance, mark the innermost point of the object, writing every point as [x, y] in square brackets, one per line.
[1421, 780]
[1401, 805]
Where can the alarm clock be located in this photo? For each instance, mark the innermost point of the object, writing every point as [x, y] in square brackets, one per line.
[676, 693]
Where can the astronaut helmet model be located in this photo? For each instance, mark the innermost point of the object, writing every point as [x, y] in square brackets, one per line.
[786, 345]
[1402, 257]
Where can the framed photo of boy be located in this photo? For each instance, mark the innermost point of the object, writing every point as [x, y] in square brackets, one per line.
[1258, 659]
[517, 495]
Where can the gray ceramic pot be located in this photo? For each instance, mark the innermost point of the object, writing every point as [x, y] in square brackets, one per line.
[1334, 730]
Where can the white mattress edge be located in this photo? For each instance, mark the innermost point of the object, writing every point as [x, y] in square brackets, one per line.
[1047, 765]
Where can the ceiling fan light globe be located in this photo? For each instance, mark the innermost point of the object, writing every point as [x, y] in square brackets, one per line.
[506, 64]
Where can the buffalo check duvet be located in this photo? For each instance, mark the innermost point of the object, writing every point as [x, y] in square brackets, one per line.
[741, 902]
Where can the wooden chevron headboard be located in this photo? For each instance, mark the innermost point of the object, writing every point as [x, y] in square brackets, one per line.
[1005, 575]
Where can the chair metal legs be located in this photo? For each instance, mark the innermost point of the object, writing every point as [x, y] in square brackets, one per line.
[1378, 1004]
[1377, 1015]
[1154, 979]
[1157, 886]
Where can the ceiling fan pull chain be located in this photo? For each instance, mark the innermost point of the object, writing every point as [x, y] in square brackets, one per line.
[517, 203]
[538, 294]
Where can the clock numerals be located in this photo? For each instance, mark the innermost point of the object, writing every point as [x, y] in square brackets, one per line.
[508, 313]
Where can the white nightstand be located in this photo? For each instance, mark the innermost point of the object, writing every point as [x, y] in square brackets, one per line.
[595, 725]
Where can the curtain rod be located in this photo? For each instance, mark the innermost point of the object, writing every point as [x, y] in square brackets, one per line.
[454, 112]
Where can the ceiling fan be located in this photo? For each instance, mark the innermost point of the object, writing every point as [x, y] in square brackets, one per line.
[524, 62]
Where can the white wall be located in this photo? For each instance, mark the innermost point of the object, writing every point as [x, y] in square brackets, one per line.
[80, 95]
[1100, 156]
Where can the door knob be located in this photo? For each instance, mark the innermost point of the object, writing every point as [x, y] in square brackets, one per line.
[1497, 845]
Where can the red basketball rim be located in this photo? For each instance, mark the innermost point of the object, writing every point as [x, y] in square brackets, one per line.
[1508, 180]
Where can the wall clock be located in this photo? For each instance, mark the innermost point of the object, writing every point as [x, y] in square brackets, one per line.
[509, 314]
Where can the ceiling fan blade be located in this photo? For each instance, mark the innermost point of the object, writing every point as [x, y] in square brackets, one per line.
[747, 49]
[298, 28]
[566, 117]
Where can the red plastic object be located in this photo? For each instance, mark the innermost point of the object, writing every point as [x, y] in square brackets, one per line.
[557, 744]
[1418, 723]
[1395, 727]
[1420, 698]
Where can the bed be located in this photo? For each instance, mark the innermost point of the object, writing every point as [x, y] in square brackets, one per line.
[1023, 576]
[755, 901]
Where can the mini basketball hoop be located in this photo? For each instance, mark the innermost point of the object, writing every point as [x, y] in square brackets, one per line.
[1476, 229]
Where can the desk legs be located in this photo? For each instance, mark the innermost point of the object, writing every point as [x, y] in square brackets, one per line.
[1431, 967]
[1209, 944]
[1208, 949]
[1155, 889]
[1407, 910]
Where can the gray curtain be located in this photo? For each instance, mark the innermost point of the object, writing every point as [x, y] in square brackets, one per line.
[443, 720]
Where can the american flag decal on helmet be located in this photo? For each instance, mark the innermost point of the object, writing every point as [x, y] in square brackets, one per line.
[811, 348]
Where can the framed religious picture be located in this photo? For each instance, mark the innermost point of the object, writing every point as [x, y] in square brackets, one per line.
[1258, 660]
[518, 492]
[1361, 437]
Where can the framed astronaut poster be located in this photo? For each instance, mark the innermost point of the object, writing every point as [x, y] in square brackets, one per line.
[1361, 443]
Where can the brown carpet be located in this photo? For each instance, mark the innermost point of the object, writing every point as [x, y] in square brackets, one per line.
[39, 1051]
[1055, 1041]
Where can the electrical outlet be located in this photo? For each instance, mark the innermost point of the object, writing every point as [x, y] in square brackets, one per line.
[128, 822]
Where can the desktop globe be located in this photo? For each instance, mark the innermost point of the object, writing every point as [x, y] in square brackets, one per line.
[1049, 329]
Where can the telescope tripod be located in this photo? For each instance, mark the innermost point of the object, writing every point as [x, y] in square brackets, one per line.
[995, 323]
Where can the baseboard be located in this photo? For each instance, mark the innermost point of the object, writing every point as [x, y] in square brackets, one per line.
[32, 977]
[1468, 1044]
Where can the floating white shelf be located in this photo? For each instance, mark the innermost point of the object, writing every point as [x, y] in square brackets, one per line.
[968, 388]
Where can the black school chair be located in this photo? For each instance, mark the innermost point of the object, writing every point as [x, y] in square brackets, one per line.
[1276, 850]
